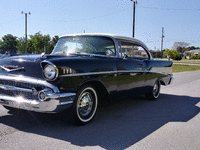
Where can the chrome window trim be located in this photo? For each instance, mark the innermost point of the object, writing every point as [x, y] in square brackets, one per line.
[105, 56]
[138, 44]
[100, 35]
[33, 81]
[115, 38]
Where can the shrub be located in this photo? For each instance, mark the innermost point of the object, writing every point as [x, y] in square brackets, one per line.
[195, 57]
[173, 54]
[177, 57]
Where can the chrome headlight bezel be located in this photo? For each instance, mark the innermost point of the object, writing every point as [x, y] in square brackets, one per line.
[50, 72]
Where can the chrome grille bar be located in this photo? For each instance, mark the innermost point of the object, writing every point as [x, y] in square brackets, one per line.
[13, 88]
[21, 86]
[26, 82]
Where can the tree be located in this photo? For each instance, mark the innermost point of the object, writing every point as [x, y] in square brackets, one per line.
[180, 50]
[0, 43]
[30, 47]
[40, 43]
[37, 43]
[172, 54]
[180, 46]
[21, 45]
[9, 42]
[191, 48]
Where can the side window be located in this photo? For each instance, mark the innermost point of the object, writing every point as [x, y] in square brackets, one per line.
[133, 50]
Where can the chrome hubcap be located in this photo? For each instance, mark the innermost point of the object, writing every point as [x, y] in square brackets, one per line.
[85, 104]
[156, 89]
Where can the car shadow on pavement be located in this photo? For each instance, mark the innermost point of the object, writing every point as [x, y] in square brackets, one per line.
[116, 126]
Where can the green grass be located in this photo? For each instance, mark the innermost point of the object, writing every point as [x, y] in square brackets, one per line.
[182, 68]
[186, 61]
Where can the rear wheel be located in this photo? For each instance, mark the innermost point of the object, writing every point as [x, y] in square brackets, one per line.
[155, 92]
[85, 105]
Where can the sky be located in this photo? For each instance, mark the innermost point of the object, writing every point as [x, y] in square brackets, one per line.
[179, 18]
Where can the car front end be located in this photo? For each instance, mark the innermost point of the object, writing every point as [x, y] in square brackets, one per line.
[24, 85]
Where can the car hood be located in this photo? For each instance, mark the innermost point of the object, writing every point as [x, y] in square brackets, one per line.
[30, 65]
[27, 65]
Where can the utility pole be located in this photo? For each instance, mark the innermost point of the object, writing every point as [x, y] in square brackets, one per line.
[162, 39]
[25, 30]
[134, 3]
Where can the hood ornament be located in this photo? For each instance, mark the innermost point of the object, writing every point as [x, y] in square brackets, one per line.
[10, 68]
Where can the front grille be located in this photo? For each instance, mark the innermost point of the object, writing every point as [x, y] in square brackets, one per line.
[21, 84]
[25, 89]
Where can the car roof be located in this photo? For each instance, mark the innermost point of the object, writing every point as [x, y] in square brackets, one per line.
[119, 37]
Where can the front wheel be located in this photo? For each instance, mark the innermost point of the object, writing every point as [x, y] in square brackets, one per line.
[155, 92]
[85, 105]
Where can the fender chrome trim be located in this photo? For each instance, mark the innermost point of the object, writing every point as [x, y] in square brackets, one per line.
[112, 72]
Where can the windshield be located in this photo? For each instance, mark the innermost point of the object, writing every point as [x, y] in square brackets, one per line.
[86, 45]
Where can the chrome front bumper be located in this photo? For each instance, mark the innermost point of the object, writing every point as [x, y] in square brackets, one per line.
[33, 94]
[52, 104]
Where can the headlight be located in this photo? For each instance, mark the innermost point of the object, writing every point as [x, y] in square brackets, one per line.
[50, 72]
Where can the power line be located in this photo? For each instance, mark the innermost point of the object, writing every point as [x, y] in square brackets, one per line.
[178, 9]
[173, 40]
[106, 15]
[77, 20]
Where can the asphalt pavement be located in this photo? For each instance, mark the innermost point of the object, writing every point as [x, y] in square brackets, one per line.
[171, 122]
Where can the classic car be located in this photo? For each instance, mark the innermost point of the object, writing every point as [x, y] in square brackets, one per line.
[81, 71]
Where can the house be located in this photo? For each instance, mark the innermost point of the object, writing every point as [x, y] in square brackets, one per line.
[156, 54]
[190, 53]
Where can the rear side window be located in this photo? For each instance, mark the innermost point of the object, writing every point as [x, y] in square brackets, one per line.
[133, 50]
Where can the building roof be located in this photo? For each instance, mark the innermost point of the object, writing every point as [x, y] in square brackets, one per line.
[195, 50]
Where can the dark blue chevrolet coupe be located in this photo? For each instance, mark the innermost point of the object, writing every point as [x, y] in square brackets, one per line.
[81, 71]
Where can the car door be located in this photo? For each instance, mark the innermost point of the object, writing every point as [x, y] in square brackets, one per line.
[130, 67]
